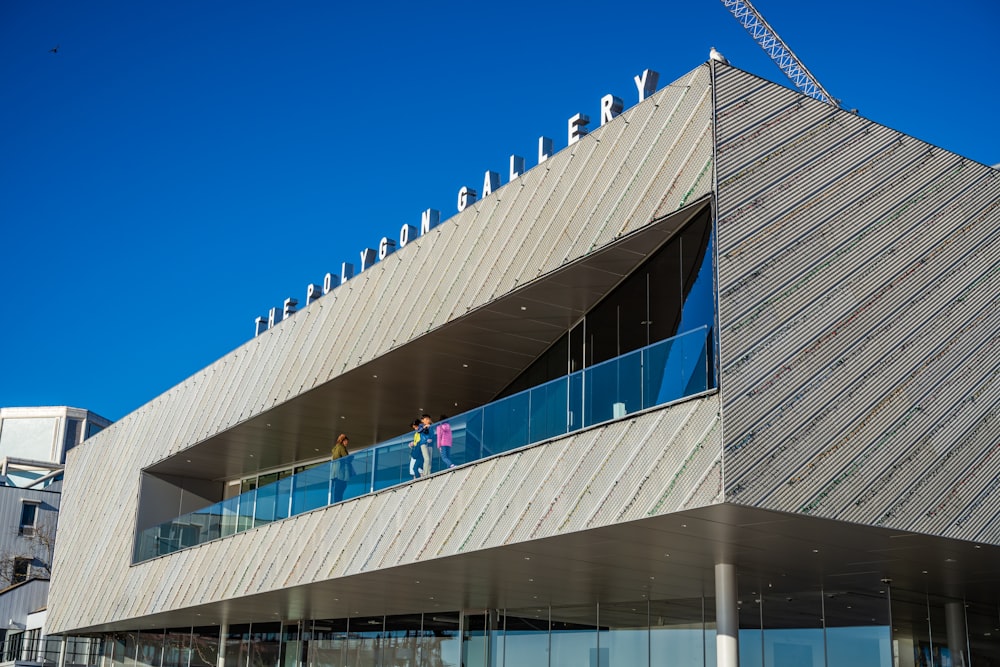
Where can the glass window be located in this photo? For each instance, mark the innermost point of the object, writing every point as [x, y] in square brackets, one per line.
[265, 644]
[624, 635]
[677, 632]
[29, 512]
[205, 646]
[403, 643]
[177, 647]
[20, 570]
[237, 643]
[325, 643]
[364, 640]
[793, 629]
[573, 637]
[525, 638]
[441, 643]
[150, 648]
[857, 629]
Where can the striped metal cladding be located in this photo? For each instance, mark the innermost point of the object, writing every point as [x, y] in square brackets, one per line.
[859, 321]
[648, 465]
[649, 161]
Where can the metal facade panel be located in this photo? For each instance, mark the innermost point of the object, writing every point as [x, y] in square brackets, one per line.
[527, 494]
[859, 317]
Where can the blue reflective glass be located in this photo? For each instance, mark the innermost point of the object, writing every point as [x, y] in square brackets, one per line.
[548, 410]
[392, 462]
[229, 511]
[660, 373]
[311, 489]
[505, 424]
[467, 436]
[272, 501]
[359, 470]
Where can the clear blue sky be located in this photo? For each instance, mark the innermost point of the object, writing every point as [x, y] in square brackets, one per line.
[177, 168]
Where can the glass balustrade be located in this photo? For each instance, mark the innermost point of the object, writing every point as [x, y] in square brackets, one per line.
[663, 372]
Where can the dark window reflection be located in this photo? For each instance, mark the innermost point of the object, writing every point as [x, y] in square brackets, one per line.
[672, 292]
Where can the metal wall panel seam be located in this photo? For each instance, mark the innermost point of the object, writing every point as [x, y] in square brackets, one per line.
[765, 340]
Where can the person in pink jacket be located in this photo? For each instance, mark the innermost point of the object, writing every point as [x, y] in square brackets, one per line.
[443, 435]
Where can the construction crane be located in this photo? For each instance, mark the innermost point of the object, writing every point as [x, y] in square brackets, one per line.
[779, 52]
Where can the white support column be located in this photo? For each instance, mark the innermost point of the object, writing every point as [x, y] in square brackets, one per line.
[954, 619]
[223, 633]
[727, 617]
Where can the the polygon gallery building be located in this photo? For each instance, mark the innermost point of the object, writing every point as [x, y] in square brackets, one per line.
[720, 385]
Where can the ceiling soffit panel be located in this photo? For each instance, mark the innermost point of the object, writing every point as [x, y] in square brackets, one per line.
[455, 367]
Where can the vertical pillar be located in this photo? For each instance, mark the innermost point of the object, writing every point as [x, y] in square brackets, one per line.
[954, 619]
[727, 617]
[223, 635]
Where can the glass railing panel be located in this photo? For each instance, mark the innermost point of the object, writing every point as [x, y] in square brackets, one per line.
[658, 374]
[392, 462]
[574, 417]
[358, 469]
[311, 489]
[612, 389]
[675, 368]
[229, 511]
[548, 416]
[272, 502]
[467, 436]
[245, 510]
[505, 424]
[209, 521]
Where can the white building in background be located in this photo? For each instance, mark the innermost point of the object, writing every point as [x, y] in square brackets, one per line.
[33, 446]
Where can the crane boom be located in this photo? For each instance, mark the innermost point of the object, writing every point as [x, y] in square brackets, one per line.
[779, 52]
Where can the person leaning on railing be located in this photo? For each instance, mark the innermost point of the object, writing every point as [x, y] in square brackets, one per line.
[341, 472]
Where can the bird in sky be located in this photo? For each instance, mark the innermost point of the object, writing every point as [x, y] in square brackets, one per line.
[54, 49]
[715, 55]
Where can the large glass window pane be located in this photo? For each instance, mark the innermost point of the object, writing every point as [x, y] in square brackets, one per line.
[403, 643]
[573, 637]
[793, 629]
[150, 649]
[676, 632]
[205, 646]
[237, 643]
[857, 629]
[912, 640]
[364, 643]
[475, 642]
[698, 275]
[983, 632]
[177, 647]
[526, 637]
[326, 643]
[624, 635]
[265, 644]
[292, 652]
[505, 424]
[442, 643]
[311, 489]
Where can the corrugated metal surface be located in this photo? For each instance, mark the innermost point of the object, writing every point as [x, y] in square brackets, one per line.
[648, 162]
[860, 330]
[653, 463]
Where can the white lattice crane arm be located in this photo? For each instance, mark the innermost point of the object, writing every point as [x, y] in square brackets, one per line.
[779, 52]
